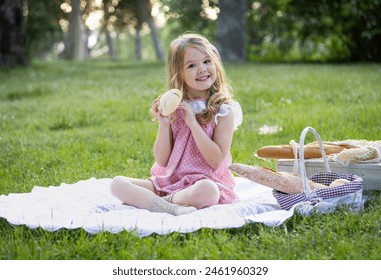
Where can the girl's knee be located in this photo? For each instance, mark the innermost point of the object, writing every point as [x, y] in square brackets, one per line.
[208, 192]
[117, 183]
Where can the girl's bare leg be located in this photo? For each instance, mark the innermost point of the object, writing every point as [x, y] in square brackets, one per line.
[134, 192]
[203, 193]
[140, 193]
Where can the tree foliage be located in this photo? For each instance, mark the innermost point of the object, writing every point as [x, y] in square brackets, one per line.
[315, 30]
[190, 16]
[42, 25]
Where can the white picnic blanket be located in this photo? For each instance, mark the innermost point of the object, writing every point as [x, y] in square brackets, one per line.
[89, 205]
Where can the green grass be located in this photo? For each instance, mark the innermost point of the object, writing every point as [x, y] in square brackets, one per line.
[71, 121]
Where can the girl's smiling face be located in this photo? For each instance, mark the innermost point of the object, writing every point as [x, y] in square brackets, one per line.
[199, 73]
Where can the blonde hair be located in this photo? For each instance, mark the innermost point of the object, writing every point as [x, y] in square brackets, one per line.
[220, 91]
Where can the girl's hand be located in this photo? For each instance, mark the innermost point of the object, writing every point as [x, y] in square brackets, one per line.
[190, 116]
[162, 120]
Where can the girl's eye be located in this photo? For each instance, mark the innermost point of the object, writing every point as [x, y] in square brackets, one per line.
[191, 65]
[207, 61]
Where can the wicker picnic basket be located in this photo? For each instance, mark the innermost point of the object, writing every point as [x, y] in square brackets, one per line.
[348, 193]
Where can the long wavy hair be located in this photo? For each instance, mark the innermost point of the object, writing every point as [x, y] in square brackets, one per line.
[219, 93]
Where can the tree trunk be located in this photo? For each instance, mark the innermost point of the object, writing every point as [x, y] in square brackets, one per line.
[155, 38]
[231, 30]
[87, 33]
[76, 46]
[138, 43]
[110, 43]
[143, 10]
[13, 47]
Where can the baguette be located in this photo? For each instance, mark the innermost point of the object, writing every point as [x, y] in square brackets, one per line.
[281, 181]
[311, 150]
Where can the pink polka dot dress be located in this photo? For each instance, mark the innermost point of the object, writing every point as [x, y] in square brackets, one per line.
[186, 164]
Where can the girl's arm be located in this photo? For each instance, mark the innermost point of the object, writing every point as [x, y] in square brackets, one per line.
[213, 150]
[163, 143]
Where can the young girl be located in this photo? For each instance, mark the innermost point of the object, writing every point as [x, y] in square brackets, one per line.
[192, 147]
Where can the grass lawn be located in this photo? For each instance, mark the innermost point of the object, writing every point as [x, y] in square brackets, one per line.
[65, 122]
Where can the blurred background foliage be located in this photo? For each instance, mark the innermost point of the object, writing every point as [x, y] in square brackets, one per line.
[268, 30]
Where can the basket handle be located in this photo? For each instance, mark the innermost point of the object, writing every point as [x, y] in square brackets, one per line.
[303, 174]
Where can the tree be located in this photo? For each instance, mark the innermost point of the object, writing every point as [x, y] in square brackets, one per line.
[231, 30]
[144, 13]
[13, 49]
[75, 46]
[111, 47]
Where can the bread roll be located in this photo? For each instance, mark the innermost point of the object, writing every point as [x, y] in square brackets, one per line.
[338, 182]
[169, 101]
